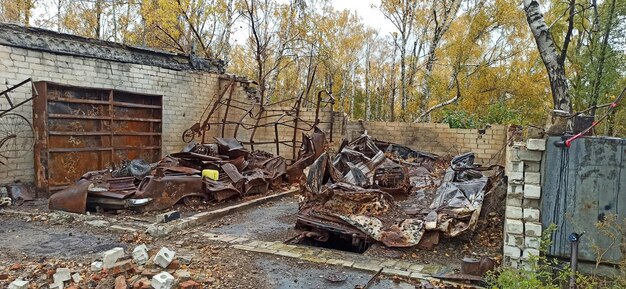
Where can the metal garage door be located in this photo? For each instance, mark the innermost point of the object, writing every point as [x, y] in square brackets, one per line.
[84, 129]
[583, 185]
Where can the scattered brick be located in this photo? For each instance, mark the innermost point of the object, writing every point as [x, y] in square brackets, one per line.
[120, 282]
[190, 284]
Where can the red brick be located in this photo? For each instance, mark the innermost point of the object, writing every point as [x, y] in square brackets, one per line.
[120, 282]
[121, 267]
[142, 283]
[175, 264]
[190, 284]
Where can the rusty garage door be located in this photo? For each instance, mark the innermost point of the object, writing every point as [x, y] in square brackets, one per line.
[85, 129]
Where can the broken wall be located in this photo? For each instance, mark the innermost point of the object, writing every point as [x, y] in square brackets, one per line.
[186, 84]
[522, 225]
[488, 144]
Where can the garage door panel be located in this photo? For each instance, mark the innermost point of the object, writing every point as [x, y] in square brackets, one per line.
[85, 129]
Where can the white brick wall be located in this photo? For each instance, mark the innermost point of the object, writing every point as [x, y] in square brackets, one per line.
[185, 93]
[522, 225]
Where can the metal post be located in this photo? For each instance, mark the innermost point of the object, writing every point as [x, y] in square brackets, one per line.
[574, 238]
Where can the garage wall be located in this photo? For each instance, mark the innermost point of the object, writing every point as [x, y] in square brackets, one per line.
[185, 89]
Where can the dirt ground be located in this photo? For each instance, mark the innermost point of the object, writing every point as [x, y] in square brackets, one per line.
[36, 242]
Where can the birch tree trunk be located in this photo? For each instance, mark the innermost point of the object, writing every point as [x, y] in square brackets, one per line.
[549, 55]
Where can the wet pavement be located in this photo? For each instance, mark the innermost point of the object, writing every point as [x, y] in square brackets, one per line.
[20, 237]
[272, 221]
[281, 275]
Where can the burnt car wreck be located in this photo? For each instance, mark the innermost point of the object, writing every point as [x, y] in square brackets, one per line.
[178, 177]
[372, 191]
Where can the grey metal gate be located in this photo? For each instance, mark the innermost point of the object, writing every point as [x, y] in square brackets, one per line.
[581, 185]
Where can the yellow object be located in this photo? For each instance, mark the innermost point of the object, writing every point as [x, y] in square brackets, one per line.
[211, 174]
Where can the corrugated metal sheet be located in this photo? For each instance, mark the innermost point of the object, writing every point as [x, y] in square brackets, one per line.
[84, 129]
[583, 184]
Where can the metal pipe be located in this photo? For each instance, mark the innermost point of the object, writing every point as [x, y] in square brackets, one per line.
[574, 238]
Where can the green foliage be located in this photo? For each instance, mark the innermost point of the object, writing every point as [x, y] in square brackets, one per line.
[458, 118]
[495, 114]
[538, 272]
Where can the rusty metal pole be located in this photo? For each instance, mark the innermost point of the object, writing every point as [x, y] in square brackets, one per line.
[574, 238]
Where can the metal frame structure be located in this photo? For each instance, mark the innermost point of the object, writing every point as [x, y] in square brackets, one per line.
[7, 113]
[260, 113]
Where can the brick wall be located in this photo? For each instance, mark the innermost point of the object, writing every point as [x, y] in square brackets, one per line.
[437, 138]
[522, 225]
[185, 92]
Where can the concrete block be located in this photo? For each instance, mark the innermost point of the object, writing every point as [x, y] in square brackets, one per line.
[57, 285]
[532, 229]
[513, 252]
[536, 144]
[515, 189]
[62, 275]
[516, 176]
[96, 266]
[168, 217]
[514, 200]
[140, 254]
[162, 280]
[513, 227]
[532, 191]
[513, 212]
[164, 257]
[18, 284]
[528, 252]
[76, 277]
[531, 203]
[514, 240]
[532, 178]
[531, 214]
[111, 256]
[517, 166]
[532, 242]
[532, 167]
[526, 155]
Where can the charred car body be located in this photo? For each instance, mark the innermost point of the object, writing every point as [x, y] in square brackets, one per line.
[372, 191]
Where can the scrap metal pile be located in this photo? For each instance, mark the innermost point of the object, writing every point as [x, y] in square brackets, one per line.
[376, 191]
[177, 177]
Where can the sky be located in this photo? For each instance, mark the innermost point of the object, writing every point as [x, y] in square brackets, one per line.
[371, 15]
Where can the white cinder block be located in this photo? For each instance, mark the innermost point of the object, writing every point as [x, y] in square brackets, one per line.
[96, 266]
[18, 284]
[111, 256]
[140, 254]
[62, 275]
[162, 280]
[164, 257]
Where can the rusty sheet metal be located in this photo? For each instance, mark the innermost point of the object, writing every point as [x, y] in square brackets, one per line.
[148, 187]
[73, 199]
[74, 124]
[220, 190]
[231, 147]
[312, 147]
[166, 191]
[392, 178]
